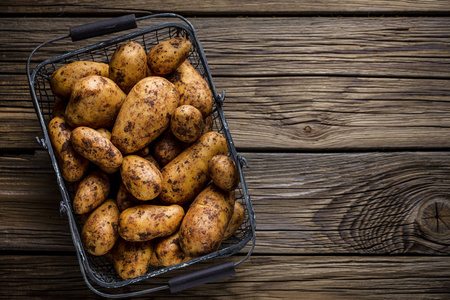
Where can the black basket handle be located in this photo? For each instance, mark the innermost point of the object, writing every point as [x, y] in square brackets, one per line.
[103, 27]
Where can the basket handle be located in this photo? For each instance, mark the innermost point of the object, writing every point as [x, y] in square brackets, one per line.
[103, 27]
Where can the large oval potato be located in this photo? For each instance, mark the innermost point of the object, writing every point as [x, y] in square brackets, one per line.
[167, 147]
[236, 221]
[187, 123]
[63, 79]
[95, 102]
[73, 166]
[223, 172]
[92, 145]
[141, 177]
[99, 233]
[167, 56]
[145, 114]
[131, 260]
[206, 221]
[167, 251]
[128, 65]
[145, 222]
[92, 191]
[186, 175]
[193, 89]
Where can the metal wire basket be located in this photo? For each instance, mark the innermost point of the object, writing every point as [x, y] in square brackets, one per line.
[98, 269]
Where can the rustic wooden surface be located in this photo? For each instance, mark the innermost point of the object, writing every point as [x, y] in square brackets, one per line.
[342, 110]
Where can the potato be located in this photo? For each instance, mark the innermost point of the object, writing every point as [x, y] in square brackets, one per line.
[145, 114]
[92, 191]
[141, 178]
[192, 87]
[92, 145]
[204, 225]
[223, 172]
[125, 199]
[186, 175]
[167, 56]
[143, 152]
[63, 79]
[236, 221]
[151, 159]
[95, 102]
[145, 222]
[131, 260]
[73, 166]
[167, 147]
[59, 107]
[167, 251]
[208, 124]
[105, 133]
[99, 233]
[187, 123]
[128, 65]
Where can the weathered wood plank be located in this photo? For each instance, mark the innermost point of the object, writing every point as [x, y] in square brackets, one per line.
[261, 277]
[366, 203]
[249, 7]
[295, 113]
[407, 47]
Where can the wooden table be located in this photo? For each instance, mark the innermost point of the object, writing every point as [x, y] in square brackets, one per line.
[342, 109]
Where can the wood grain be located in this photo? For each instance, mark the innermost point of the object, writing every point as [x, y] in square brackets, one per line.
[388, 47]
[261, 277]
[348, 203]
[249, 7]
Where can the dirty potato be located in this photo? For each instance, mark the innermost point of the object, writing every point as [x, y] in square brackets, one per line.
[128, 65]
[151, 159]
[168, 252]
[59, 107]
[99, 233]
[186, 175]
[92, 191]
[145, 222]
[141, 177]
[125, 199]
[63, 79]
[73, 166]
[236, 221]
[167, 147]
[107, 134]
[95, 102]
[131, 260]
[187, 123]
[206, 221]
[167, 56]
[92, 145]
[145, 114]
[193, 89]
[223, 172]
[208, 124]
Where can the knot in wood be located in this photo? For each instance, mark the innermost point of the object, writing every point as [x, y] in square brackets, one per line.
[434, 218]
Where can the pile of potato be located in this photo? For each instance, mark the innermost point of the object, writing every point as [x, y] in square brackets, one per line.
[153, 183]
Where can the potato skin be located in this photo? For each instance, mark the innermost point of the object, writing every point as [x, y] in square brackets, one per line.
[193, 89]
[95, 102]
[236, 221]
[125, 199]
[99, 233]
[145, 222]
[223, 172]
[128, 65]
[145, 114]
[167, 147]
[63, 79]
[92, 191]
[131, 260]
[167, 56]
[208, 124]
[186, 175]
[168, 252]
[204, 225]
[105, 132]
[187, 123]
[92, 145]
[141, 177]
[73, 166]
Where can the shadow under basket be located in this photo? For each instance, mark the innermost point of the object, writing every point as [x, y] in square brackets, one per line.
[98, 269]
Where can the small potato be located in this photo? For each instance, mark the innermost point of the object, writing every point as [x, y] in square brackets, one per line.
[131, 260]
[92, 145]
[187, 123]
[167, 147]
[145, 114]
[105, 132]
[141, 177]
[143, 152]
[95, 102]
[193, 89]
[204, 225]
[236, 220]
[59, 107]
[73, 166]
[167, 251]
[128, 65]
[223, 172]
[151, 159]
[99, 233]
[63, 79]
[92, 191]
[125, 199]
[208, 124]
[167, 56]
[145, 222]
